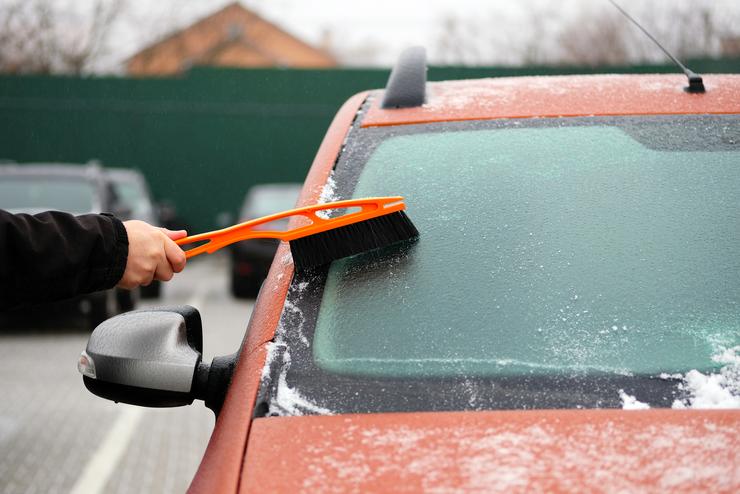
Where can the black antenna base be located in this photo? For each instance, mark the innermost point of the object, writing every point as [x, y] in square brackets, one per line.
[696, 84]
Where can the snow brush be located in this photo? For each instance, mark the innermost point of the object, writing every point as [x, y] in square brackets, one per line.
[369, 224]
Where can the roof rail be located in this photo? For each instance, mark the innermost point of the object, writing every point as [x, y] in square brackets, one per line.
[406, 86]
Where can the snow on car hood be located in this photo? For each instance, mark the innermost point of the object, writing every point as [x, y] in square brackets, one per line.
[524, 451]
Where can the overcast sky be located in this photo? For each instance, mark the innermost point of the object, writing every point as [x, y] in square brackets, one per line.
[387, 26]
[373, 32]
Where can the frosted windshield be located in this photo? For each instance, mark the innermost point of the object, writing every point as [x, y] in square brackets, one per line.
[542, 250]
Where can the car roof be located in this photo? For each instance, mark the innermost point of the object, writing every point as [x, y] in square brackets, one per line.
[276, 187]
[52, 170]
[126, 174]
[561, 96]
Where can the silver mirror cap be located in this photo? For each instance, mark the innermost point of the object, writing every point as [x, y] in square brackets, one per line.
[146, 349]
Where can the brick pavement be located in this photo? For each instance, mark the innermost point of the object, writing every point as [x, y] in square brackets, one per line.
[51, 426]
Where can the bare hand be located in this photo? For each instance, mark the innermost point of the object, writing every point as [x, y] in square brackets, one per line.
[152, 254]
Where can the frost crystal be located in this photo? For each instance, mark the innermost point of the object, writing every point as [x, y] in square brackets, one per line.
[328, 194]
[285, 400]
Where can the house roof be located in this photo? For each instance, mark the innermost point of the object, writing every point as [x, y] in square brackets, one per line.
[235, 27]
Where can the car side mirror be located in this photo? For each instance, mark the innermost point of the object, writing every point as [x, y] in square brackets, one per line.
[153, 358]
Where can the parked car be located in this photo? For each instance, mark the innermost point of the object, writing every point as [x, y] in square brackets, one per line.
[564, 322]
[132, 192]
[251, 260]
[77, 189]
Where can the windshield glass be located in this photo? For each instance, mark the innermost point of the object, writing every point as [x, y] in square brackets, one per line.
[36, 194]
[542, 251]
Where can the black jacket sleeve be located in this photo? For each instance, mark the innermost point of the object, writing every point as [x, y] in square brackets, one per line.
[53, 255]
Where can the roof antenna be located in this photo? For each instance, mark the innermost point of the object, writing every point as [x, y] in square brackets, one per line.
[696, 85]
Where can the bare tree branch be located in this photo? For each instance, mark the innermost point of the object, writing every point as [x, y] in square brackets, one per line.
[595, 34]
[596, 39]
[38, 38]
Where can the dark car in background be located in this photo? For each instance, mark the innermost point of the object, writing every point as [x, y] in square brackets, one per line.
[132, 192]
[251, 260]
[77, 189]
[135, 202]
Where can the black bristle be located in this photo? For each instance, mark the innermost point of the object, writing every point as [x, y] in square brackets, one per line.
[325, 247]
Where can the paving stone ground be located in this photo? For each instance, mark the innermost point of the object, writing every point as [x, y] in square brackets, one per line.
[51, 427]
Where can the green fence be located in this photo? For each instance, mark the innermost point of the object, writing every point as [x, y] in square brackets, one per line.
[203, 139]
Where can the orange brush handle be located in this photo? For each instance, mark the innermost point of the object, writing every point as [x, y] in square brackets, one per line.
[370, 207]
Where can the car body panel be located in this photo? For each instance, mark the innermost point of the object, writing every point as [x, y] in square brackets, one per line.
[503, 451]
[563, 96]
[286, 454]
[221, 465]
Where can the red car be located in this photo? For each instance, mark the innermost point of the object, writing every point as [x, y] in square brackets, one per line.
[567, 321]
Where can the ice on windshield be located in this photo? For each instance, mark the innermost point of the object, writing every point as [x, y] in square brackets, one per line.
[286, 399]
[542, 251]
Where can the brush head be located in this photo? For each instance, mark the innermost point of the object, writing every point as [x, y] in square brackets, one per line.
[324, 247]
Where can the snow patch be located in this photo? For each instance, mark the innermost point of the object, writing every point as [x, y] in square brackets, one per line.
[631, 403]
[297, 316]
[728, 356]
[328, 194]
[285, 400]
[667, 377]
[272, 348]
[708, 391]
[721, 390]
[470, 456]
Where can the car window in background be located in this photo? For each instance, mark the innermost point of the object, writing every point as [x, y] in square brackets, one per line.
[543, 251]
[33, 195]
[133, 196]
[251, 260]
[269, 199]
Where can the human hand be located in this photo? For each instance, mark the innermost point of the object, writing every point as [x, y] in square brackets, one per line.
[152, 254]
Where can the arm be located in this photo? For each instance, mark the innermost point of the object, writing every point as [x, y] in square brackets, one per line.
[54, 255]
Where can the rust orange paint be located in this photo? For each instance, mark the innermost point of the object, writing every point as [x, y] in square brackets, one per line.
[563, 96]
[678, 451]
